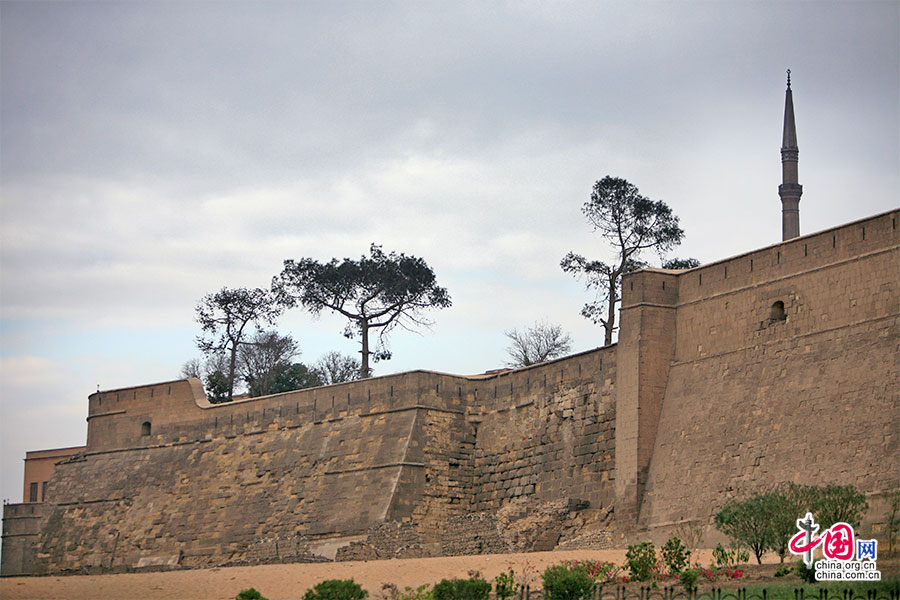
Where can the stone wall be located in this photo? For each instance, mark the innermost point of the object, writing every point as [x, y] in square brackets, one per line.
[553, 438]
[710, 394]
[753, 401]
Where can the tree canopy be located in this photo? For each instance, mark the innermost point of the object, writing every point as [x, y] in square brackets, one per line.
[225, 317]
[631, 224]
[537, 344]
[335, 367]
[380, 291]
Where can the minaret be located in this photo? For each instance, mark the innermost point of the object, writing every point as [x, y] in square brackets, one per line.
[789, 190]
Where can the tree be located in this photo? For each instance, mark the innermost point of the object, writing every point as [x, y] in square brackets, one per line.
[224, 318]
[787, 503]
[296, 376]
[537, 344]
[262, 357]
[212, 373]
[839, 504]
[380, 291]
[681, 263]
[748, 523]
[335, 367]
[631, 223]
[192, 368]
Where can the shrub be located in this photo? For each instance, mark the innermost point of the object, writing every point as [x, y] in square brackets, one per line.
[567, 582]
[688, 579]
[249, 594]
[893, 520]
[462, 589]
[336, 589]
[675, 555]
[599, 571]
[729, 558]
[805, 573]
[505, 584]
[783, 570]
[839, 504]
[640, 560]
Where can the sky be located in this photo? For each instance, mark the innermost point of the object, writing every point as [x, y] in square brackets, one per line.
[155, 152]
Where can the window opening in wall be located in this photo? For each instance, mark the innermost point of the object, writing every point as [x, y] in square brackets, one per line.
[751, 265]
[833, 241]
[864, 232]
[32, 492]
[778, 258]
[43, 491]
[776, 313]
[701, 278]
[894, 223]
[145, 428]
[804, 250]
[631, 285]
[726, 272]
[664, 285]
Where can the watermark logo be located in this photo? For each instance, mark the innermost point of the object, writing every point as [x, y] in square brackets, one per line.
[839, 546]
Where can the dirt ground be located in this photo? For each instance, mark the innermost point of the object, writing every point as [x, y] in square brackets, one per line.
[289, 582]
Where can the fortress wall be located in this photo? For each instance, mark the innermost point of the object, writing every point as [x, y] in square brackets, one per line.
[178, 411]
[547, 432]
[207, 501]
[813, 398]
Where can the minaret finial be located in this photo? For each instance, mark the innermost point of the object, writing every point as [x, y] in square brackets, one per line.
[789, 78]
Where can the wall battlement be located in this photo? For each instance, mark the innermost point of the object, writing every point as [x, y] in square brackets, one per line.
[777, 365]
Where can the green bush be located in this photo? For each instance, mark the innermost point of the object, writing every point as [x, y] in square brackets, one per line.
[462, 589]
[723, 557]
[675, 555]
[505, 584]
[805, 573]
[249, 594]
[640, 560]
[567, 582]
[336, 589]
[420, 593]
[783, 570]
[688, 579]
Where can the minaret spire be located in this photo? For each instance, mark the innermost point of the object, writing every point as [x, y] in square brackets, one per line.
[789, 190]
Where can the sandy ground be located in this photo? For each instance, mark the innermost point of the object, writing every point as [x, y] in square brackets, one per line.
[289, 582]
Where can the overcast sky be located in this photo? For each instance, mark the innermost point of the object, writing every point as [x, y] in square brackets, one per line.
[155, 152]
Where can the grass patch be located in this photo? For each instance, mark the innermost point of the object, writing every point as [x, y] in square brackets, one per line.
[835, 589]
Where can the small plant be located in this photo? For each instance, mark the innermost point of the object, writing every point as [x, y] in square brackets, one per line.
[691, 533]
[505, 584]
[336, 589]
[462, 589]
[675, 555]
[600, 571]
[640, 560]
[783, 570]
[249, 594]
[567, 582]
[723, 557]
[893, 520]
[688, 579]
[805, 573]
